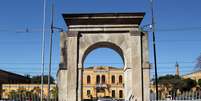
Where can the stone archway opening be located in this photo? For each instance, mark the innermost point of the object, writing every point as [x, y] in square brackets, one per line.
[107, 47]
[103, 57]
[103, 65]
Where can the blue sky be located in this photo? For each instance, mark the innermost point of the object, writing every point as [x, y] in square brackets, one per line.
[178, 32]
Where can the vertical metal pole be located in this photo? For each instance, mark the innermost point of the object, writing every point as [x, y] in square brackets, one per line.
[154, 46]
[50, 61]
[142, 60]
[79, 76]
[43, 49]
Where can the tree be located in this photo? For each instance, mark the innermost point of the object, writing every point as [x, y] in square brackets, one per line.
[199, 82]
[36, 90]
[54, 92]
[198, 62]
[175, 82]
[188, 84]
[171, 82]
[37, 79]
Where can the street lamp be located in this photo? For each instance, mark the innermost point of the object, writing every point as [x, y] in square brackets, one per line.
[154, 47]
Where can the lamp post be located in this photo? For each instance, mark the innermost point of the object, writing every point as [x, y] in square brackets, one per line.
[154, 47]
[43, 50]
[50, 59]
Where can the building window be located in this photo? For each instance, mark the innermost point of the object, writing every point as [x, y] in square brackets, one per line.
[113, 79]
[88, 79]
[102, 90]
[113, 93]
[120, 94]
[98, 79]
[103, 79]
[120, 79]
[88, 92]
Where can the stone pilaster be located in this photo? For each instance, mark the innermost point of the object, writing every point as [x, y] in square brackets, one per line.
[146, 67]
[80, 78]
[72, 59]
[136, 69]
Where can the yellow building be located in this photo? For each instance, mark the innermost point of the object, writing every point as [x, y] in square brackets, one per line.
[99, 82]
[34, 88]
[194, 75]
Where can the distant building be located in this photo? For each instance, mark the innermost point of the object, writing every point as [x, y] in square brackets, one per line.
[34, 88]
[177, 69]
[194, 75]
[99, 82]
[11, 78]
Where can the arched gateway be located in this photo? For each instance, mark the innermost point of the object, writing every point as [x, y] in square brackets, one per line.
[118, 31]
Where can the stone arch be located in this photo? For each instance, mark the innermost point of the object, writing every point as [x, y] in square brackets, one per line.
[104, 44]
[117, 31]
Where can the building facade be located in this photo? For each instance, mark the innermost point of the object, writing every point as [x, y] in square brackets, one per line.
[194, 75]
[100, 82]
[34, 88]
[11, 78]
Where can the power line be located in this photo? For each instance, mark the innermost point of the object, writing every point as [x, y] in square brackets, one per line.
[97, 62]
[180, 29]
[30, 30]
[158, 41]
[169, 41]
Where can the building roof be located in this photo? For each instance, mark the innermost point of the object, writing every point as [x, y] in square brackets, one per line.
[11, 75]
[198, 71]
[109, 67]
[103, 18]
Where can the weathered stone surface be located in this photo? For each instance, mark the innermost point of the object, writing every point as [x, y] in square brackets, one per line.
[62, 84]
[72, 69]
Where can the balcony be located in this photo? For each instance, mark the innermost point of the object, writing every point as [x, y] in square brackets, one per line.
[101, 85]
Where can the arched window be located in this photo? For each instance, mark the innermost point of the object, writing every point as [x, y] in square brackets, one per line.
[98, 79]
[103, 79]
[120, 79]
[113, 79]
[120, 94]
[88, 79]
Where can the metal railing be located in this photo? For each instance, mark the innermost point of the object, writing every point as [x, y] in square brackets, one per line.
[178, 96]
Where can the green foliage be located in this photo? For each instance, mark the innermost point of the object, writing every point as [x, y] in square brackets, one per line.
[188, 84]
[170, 81]
[199, 82]
[175, 82]
[12, 94]
[37, 79]
[54, 92]
[198, 63]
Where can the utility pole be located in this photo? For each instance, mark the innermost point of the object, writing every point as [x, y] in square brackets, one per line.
[50, 61]
[154, 46]
[43, 50]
